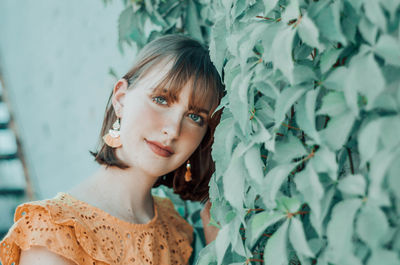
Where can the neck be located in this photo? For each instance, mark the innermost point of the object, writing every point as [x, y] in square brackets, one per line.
[125, 193]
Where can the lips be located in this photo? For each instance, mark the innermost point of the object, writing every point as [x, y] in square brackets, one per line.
[160, 149]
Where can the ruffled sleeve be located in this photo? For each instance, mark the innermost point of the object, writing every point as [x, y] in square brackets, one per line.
[44, 224]
[87, 235]
[181, 231]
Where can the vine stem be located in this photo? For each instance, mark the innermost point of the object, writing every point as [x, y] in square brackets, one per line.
[309, 156]
[290, 126]
[254, 210]
[290, 215]
[351, 160]
[253, 112]
[256, 260]
[298, 21]
[266, 18]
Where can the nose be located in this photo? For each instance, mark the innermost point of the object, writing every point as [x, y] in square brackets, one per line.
[172, 125]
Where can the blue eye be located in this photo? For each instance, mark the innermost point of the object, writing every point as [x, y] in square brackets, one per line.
[160, 100]
[196, 118]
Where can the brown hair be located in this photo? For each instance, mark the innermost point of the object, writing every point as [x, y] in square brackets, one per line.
[191, 63]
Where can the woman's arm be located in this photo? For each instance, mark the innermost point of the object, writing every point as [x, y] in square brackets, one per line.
[210, 231]
[42, 256]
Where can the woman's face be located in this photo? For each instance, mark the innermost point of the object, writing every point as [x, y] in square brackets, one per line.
[157, 136]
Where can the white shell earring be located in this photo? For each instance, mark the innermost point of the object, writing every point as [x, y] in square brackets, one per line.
[112, 138]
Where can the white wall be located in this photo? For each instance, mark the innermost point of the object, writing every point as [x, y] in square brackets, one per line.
[55, 58]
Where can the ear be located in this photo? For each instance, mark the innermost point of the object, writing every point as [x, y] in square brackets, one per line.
[118, 97]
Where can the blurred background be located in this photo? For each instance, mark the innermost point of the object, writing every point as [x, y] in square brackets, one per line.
[58, 63]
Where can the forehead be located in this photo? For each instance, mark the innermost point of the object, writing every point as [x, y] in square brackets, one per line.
[176, 82]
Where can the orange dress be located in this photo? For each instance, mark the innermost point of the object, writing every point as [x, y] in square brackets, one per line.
[87, 235]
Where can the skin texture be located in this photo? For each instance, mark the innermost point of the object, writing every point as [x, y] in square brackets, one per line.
[40, 255]
[210, 232]
[126, 194]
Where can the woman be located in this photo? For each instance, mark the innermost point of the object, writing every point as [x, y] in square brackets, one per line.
[158, 130]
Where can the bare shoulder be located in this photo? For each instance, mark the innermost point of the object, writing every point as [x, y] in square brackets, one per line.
[41, 255]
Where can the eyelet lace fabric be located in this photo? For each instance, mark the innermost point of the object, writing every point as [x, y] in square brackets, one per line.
[87, 235]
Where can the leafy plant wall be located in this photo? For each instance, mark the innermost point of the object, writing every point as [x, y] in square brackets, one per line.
[308, 150]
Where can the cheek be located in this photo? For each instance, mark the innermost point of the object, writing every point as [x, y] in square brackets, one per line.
[140, 116]
[193, 137]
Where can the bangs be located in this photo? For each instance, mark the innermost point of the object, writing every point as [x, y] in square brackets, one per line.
[203, 82]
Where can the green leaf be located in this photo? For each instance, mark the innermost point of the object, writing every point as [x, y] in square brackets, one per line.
[288, 204]
[356, 4]
[291, 11]
[127, 30]
[269, 5]
[236, 238]
[254, 164]
[368, 140]
[340, 230]
[275, 251]
[207, 255]
[192, 24]
[333, 104]
[336, 78]
[273, 181]
[338, 129]
[372, 226]
[222, 148]
[378, 168]
[233, 179]
[391, 6]
[214, 191]
[222, 243]
[328, 21]
[365, 77]
[383, 256]
[349, 22]
[290, 148]
[267, 39]
[221, 211]
[298, 238]
[287, 98]
[232, 43]
[390, 138]
[388, 47]
[324, 161]
[259, 223]
[308, 32]
[375, 14]
[329, 58]
[218, 44]
[307, 182]
[261, 134]
[303, 73]
[305, 114]
[393, 176]
[249, 37]
[238, 7]
[353, 185]
[326, 206]
[238, 100]
[368, 30]
[282, 52]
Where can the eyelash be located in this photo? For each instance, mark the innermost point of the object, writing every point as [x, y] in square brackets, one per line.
[156, 100]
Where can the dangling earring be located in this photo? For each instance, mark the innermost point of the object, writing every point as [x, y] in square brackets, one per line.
[188, 174]
[112, 138]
